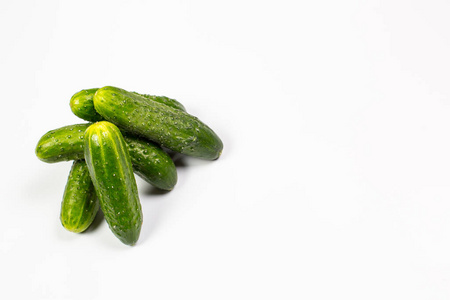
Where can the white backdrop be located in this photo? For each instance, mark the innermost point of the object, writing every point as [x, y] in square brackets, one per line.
[334, 182]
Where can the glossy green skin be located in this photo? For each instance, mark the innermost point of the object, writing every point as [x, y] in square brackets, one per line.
[149, 161]
[109, 165]
[80, 204]
[82, 104]
[62, 144]
[171, 128]
[164, 100]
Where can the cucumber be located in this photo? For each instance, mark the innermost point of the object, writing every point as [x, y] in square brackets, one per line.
[82, 104]
[149, 160]
[62, 144]
[164, 100]
[80, 204]
[171, 128]
[109, 165]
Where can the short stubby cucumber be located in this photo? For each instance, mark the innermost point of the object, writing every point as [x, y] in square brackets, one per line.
[80, 204]
[62, 144]
[109, 165]
[171, 128]
[149, 160]
[82, 104]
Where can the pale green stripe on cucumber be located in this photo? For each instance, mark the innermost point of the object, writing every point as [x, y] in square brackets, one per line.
[109, 165]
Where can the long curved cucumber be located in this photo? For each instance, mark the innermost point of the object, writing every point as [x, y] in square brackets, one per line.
[80, 204]
[82, 104]
[149, 160]
[109, 165]
[171, 128]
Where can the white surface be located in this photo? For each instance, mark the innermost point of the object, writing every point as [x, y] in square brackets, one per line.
[335, 177]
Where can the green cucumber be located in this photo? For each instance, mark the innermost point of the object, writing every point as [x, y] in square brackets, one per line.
[109, 165]
[171, 128]
[80, 204]
[62, 144]
[149, 160]
[82, 104]
[164, 100]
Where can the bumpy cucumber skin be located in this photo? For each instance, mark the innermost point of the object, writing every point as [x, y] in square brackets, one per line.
[171, 128]
[149, 160]
[151, 163]
[109, 165]
[80, 204]
[82, 104]
[63, 144]
[164, 100]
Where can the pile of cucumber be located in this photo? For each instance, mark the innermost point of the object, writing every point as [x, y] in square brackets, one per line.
[127, 132]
